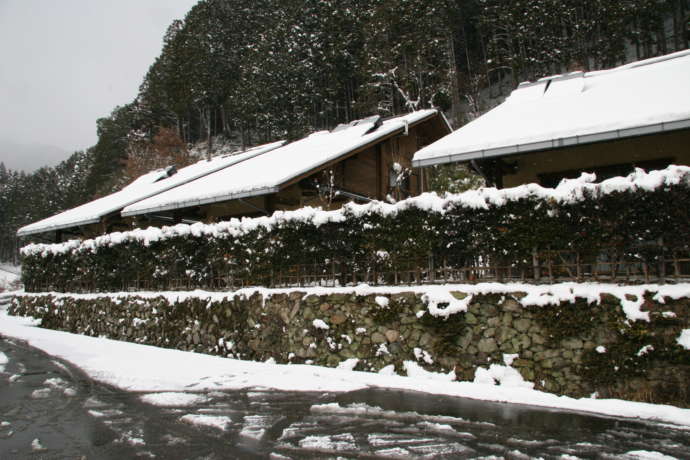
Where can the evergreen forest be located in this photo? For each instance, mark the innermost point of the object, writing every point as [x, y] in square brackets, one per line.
[233, 74]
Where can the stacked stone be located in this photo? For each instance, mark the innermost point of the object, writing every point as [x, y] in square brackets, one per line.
[574, 349]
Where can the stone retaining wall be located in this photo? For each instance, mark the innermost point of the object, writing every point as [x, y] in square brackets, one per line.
[575, 348]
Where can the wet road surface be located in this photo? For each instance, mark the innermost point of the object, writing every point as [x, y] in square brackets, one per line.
[50, 410]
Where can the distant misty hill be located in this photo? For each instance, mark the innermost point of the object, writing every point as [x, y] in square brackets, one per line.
[29, 157]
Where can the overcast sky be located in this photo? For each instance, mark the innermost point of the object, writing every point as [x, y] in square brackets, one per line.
[65, 63]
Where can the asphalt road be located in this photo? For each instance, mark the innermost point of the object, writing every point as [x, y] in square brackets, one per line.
[50, 410]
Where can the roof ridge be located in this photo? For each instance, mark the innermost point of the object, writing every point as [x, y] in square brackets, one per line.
[596, 73]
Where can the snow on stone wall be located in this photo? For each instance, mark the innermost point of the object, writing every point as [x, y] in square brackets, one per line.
[567, 339]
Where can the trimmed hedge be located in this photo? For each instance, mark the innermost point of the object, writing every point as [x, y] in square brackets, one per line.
[630, 214]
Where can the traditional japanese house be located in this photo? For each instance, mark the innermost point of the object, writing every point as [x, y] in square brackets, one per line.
[607, 122]
[103, 215]
[361, 161]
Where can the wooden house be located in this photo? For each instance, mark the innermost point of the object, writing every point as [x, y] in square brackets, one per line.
[103, 214]
[607, 122]
[361, 161]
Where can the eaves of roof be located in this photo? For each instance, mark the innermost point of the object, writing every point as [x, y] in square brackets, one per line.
[554, 143]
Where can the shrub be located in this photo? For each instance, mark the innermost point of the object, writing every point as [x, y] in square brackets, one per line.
[632, 215]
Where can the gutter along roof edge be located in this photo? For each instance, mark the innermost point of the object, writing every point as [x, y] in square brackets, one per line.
[200, 202]
[554, 143]
[22, 232]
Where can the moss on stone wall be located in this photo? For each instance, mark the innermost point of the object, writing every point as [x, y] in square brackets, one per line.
[575, 348]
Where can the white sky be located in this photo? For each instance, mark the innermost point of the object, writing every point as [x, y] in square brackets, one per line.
[65, 63]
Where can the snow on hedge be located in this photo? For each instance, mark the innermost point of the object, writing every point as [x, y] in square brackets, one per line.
[568, 191]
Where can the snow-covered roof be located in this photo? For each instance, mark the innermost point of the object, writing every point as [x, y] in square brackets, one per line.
[643, 97]
[266, 173]
[143, 187]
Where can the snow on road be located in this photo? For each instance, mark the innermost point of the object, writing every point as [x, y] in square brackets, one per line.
[144, 368]
[8, 278]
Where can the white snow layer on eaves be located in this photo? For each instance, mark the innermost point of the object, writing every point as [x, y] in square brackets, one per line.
[568, 191]
[143, 187]
[91, 212]
[263, 175]
[638, 98]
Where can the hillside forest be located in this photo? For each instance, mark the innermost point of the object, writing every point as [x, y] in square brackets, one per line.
[233, 74]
